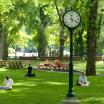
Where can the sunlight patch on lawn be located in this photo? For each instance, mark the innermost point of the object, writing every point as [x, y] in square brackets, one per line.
[94, 99]
[55, 83]
[100, 62]
[38, 79]
[18, 90]
[25, 83]
[3, 69]
[3, 91]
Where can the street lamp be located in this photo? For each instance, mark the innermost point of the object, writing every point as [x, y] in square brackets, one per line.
[71, 20]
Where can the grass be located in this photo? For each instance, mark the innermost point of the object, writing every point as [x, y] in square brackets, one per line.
[43, 89]
[50, 87]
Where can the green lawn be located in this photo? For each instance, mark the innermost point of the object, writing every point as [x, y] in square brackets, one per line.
[49, 87]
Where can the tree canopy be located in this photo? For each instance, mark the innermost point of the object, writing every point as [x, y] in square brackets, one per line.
[39, 22]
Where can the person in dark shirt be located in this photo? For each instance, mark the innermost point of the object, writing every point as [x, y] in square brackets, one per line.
[29, 72]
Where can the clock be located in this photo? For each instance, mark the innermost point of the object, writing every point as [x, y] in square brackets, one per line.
[71, 19]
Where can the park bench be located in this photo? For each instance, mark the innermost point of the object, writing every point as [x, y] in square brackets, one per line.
[2, 63]
[15, 64]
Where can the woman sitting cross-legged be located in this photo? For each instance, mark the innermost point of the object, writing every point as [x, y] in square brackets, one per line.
[8, 82]
[82, 81]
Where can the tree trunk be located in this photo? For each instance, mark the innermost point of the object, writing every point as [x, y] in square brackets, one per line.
[62, 37]
[1, 48]
[91, 39]
[1, 41]
[62, 41]
[78, 44]
[81, 43]
[42, 41]
[5, 44]
[41, 33]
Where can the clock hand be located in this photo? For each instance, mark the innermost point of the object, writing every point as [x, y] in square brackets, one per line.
[71, 19]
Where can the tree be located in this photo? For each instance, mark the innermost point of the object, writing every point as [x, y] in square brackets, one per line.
[13, 16]
[91, 38]
[5, 7]
[60, 12]
[41, 32]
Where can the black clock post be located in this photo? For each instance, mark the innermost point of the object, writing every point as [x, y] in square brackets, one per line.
[70, 91]
[71, 20]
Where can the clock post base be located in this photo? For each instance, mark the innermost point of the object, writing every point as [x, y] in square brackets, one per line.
[71, 101]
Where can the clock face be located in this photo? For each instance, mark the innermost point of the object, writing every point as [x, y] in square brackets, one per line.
[71, 19]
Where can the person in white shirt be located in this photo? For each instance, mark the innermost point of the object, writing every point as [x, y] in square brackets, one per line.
[8, 83]
[82, 81]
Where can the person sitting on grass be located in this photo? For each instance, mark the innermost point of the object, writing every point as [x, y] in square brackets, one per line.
[8, 82]
[57, 64]
[45, 64]
[82, 81]
[29, 72]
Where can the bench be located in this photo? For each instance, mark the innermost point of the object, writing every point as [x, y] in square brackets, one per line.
[15, 64]
[2, 63]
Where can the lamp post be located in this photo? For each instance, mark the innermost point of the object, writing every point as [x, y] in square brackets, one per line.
[71, 20]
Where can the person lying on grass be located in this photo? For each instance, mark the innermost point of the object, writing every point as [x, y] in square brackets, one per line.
[7, 84]
[82, 81]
